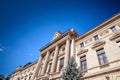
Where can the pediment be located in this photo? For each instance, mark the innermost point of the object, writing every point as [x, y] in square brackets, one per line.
[82, 51]
[98, 44]
[115, 36]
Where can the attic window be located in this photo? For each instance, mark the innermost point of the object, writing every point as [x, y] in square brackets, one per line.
[113, 29]
[81, 44]
[118, 42]
[96, 37]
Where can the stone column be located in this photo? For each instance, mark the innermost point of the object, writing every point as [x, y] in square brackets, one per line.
[37, 68]
[67, 52]
[54, 62]
[45, 63]
[72, 47]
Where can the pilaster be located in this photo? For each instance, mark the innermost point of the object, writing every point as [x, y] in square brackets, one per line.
[54, 63]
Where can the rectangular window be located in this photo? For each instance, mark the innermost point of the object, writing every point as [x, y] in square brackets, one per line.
[101, 56]
[61, 63]
[83, 63]
[96, 37]
[113, 29]
[49, 67]
[81, 44]
[118, 42]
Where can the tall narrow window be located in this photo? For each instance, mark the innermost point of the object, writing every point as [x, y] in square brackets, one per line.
[96, 37]
[81, 44]
[118, 42]
[83, 63]
[101, 56]
[61, 63]
[49, 67]
[113, 29]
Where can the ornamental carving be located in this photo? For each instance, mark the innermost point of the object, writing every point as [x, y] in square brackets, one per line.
[97, 44]
[104, 32]
[82, 51]
[115, 36]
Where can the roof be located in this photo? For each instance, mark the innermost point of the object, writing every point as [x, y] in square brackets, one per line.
[26, 66]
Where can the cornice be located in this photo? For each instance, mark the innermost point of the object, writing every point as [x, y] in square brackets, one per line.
[117, 16]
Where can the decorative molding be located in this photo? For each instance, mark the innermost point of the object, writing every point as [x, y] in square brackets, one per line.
[89, 40]
[115, 36]
[98, 44]
[82, 51]
[104, 32]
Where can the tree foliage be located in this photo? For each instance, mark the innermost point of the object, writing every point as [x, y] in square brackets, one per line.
[71, 72]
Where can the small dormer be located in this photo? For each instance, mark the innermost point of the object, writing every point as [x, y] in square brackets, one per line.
[56, 34]
[19, 67]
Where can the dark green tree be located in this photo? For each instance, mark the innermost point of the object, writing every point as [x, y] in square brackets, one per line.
[71, 72]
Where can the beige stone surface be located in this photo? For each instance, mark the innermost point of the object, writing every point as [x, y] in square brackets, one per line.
[67, 44]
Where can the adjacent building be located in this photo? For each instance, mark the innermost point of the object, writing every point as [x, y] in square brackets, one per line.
[97, 53]
[24, 72]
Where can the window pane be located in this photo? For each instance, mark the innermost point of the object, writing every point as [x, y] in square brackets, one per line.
[118, 43]
[113, 29]
[83, 63]
[96, 37]
[82, 44]
[101, 56]
[61, 63]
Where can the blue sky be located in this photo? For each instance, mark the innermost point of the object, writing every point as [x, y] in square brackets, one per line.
[27, 25]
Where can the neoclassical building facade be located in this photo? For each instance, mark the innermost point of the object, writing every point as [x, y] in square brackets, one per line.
[97, 53]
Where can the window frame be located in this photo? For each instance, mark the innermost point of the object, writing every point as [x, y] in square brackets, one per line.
[102, 58]
[61, 63]
[118, 43]
[83, 62]
[82, 45]
[113, 29]
[96, 37]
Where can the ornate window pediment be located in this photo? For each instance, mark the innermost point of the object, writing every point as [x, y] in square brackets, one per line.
[115, 36]
[82, 51]
[98, 44]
